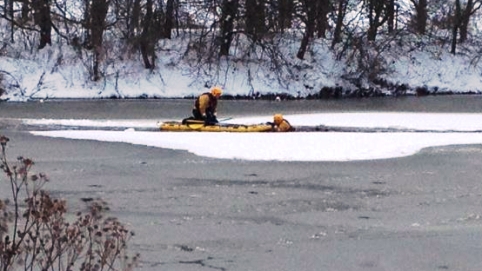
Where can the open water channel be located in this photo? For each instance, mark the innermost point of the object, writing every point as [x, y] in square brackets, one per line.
[421, 212]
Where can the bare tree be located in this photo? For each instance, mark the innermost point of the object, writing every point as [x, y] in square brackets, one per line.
[42, 19]
[308, 16]
[129, 17]
[340, 16]
[96, 14]
[421, 15]
[229, 10]
[169, 21]
[391, 19]
[25, 9]
[470, 8]
[7, 13]
[461, 19]
[149, 36]
[314, 15]
[377, 16]
[285, 14]
[255, 19]
[323, 7]
[40, 9]
[87, 24]
[10, 11]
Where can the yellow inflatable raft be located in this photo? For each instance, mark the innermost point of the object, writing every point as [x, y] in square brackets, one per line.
[199, 126]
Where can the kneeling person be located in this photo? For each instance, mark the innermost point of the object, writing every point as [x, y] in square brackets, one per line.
[205, 106]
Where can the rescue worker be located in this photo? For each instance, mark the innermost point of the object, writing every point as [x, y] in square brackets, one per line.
[205, 106]
[281, 125]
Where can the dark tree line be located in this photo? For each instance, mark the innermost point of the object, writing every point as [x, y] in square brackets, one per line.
[136, 26]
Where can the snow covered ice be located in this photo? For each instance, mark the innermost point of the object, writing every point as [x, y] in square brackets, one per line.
[446, 129]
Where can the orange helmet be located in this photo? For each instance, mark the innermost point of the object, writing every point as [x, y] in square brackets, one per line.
[216, 91]
[278, 118]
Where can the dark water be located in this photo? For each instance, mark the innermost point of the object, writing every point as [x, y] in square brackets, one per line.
[179, 108]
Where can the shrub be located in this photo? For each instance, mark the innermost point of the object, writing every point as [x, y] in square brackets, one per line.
[35, 233]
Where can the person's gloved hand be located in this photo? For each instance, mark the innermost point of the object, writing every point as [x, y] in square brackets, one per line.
[210, 122]
[210, 119]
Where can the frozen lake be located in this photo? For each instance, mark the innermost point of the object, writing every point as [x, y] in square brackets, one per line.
[421, 212]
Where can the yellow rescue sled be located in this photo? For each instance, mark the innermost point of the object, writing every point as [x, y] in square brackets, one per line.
[199, 126]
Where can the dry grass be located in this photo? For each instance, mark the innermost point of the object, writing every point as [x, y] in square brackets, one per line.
[35, 233]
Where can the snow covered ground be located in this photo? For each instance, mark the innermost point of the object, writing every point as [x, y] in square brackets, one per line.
[444, 129]
[39, 76]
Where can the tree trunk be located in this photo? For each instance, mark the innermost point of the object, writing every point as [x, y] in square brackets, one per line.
[261, 19]
[376, 17]
[250, 18]
[455, 27]
[11, 15]
[169, 22]
[134, 19]
[87, 25]
[421, 16]
[464, 25]
[255, 19]
[454, 40]
[323, 8]
[25, 10]
[303, 47]
[146, 46]
[390, 9]
[465, 19]
[310, 24]
[98, 13]
[229, 9]
[340, 15]
[42, 19]
[285, 11]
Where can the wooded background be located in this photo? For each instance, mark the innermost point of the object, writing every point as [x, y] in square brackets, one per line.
[133, 29]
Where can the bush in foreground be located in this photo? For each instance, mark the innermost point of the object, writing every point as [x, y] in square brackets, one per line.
[35, 233]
